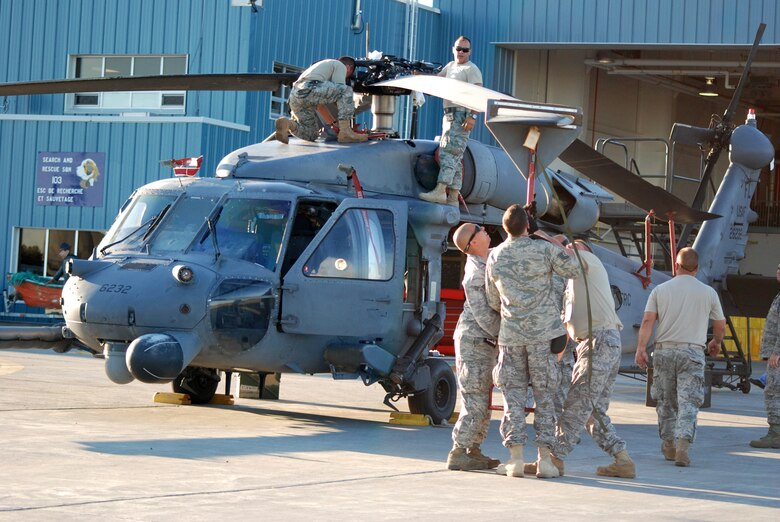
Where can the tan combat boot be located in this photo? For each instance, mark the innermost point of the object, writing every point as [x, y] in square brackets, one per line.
[437, 195]
[667, 448]
[476, 453]
[530, 468]
[770, 440]
[285, 126]
[460, 460]
[452, 197]
[681, 455]
[623, 467]
[544, 466]
[347, 135]
[514, 466]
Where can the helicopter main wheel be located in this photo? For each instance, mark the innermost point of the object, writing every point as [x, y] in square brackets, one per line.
[199, 383]
[438, 401]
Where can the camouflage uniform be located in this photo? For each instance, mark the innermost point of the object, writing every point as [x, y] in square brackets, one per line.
[565, 368]
[565, 363]
[592, 382]
[678, 386]
[684, 306]
[519, 284]
[591, 318]
[453, 143]
[454, 137]
[305, 97]
[475, 357]
[770, 344]
[320, 84]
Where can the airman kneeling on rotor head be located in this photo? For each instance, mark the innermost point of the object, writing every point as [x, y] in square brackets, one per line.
[322, 83]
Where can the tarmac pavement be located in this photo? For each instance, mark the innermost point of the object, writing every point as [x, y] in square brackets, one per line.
[78, 447]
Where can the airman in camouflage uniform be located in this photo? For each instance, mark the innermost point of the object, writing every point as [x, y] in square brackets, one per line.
[770, 349]
[456, 127]
[598, 361]
[683, 307]
[475, 354]
[520, 286]
[321, 84]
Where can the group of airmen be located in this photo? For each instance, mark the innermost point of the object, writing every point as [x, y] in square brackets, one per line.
[513, 320]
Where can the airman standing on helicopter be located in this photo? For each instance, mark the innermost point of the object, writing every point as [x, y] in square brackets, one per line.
[457, 125]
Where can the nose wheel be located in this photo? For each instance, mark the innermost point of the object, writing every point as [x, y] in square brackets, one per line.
[199, 383]
[438, 401]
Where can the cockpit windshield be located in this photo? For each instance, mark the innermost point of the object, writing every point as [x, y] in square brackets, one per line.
[249, 229]
[181, 224]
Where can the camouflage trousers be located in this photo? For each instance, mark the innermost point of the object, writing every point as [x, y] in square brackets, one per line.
[772, 395]
[474, 360]
[678, 386]
[565, 367]
[516, 366]
[304, 99]
[454, 139]
[591, 388]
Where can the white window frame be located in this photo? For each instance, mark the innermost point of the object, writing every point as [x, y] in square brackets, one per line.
[281, 101]
[100, 108]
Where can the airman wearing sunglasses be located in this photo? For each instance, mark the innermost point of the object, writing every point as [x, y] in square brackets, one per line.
[456, 127]
[475, 354]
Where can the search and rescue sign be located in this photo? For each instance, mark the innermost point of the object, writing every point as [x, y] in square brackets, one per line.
[70, 179]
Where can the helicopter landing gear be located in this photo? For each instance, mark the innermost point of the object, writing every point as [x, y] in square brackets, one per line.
[438, 400]
[199, 383]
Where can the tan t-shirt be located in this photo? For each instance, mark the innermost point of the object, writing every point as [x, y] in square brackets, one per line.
[467, 72]
[684, 306]
[325, 71]
[602, 304]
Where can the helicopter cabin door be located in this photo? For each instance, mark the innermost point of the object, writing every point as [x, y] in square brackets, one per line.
[350, 279]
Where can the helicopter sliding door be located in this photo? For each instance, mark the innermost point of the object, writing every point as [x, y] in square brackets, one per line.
[349, 281]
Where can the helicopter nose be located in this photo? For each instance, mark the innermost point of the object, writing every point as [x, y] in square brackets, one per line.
[160, 357]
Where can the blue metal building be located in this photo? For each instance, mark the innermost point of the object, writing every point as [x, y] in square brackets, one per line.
[129, 134]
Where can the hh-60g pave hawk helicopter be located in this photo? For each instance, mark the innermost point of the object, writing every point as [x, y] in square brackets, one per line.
[318, 257]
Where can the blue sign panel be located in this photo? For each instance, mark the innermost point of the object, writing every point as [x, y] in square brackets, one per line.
[70, 179]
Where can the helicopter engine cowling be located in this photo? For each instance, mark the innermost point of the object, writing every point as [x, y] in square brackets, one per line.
[490, 177]
[160, 357]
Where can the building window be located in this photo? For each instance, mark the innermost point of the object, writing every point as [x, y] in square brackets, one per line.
[38, 248]
[279, 105]
[83, 67]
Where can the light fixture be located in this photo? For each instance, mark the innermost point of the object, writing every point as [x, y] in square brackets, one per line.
[709, 87]
[604, 57]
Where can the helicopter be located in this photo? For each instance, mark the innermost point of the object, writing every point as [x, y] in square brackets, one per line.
[318, 257]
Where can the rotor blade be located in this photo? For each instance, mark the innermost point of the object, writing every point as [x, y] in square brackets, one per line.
[729, 114]
[181, 82]
[629, 186]
[511, 120]
[474, 97]
[690, 135]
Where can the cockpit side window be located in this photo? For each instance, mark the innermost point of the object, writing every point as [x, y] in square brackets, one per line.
[361, 245]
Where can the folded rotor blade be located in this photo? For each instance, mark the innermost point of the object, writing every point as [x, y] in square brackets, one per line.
[690, 135]
[629, 186]
[465, 94]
